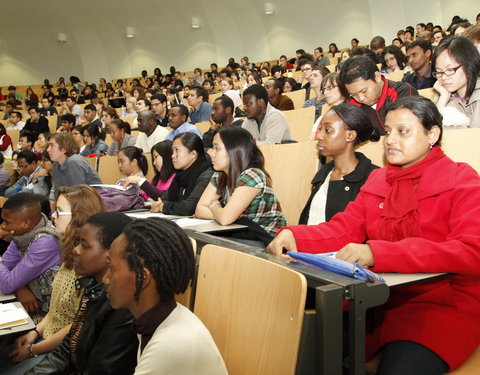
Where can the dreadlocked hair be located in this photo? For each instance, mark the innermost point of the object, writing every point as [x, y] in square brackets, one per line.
[163, 247]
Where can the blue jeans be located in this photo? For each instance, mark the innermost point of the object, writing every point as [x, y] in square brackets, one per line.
[7, 367]
[410, 358]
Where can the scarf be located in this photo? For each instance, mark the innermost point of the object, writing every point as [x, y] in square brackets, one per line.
[184, 180]
[400, 217]
[41, 286]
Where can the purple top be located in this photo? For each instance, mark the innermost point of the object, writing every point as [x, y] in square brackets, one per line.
[43, 253]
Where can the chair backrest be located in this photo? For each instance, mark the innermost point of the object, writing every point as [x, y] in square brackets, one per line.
[429, 93]
[14, 135]
[93, 162]
[298, 97]
[52, 123]
[108, 170]
[203, 126]
[460, 145]
[213, 97]
[253, 308]
[395, 76]
[301, 122]
[291, 167]
[185, 298]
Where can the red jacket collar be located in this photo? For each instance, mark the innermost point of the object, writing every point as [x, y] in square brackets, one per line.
[387, 92]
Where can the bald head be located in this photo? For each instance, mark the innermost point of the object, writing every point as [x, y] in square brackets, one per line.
[147, 122]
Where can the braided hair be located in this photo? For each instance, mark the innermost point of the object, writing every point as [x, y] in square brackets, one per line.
[163, 247]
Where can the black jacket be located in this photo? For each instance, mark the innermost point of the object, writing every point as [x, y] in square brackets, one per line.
[107, 343]
[340, 192]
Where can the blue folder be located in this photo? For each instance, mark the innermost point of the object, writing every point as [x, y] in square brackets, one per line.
[337, 266]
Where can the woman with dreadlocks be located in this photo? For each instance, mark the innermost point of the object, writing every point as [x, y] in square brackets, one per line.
[150, 262]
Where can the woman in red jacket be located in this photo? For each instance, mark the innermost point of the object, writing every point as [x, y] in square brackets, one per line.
[419, 214]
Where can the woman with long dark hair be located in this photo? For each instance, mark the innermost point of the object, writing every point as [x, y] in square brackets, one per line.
[193, 173]
[241, 187]
[94, 140]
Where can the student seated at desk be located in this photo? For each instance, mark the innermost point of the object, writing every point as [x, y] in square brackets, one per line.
[73, 206]
[338, 182]
[30, 262]
[101, 339]
[150, 262]
[28, 167]
[421, 213]
[132, 162]
[241, 188]
[94, 139]
[193, 173]
[162, 162]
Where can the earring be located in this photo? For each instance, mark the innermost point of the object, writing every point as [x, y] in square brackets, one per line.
[431, 145]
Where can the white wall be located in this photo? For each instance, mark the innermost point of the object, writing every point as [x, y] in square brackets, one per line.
[98, 48]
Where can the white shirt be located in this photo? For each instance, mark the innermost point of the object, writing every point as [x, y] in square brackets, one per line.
[18, 126]
[146, 143]
[319, 203]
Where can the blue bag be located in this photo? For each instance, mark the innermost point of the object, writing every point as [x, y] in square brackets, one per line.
[338, 266]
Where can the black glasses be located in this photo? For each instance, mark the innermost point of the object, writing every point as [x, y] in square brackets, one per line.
[447, 72]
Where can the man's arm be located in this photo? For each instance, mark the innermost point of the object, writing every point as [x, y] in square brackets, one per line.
[42, 254]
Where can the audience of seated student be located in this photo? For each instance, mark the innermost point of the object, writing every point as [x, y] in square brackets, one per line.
[47, 109]
[62, 91]
[129, 109]
[108, 115]
[456, 65]
[69, 168]
[473, 34]
[282, 61]
[419, 53]
[193, 172]
[333, 49]
[6, 148]
[266, 124]
[162, 162]
[393, 59]
[31, 260]
[277, 72]
[241, 190]
[150, 262]
[90, 116]
[158, 103]
[338, 182]
[209, 86]
[320, 58]
[410, 218]
[67, 123]
[73, 206]
[367, 88]
[27, 166]
[143, 105]
[88, 93]
[120, 132]
[198, 101]
[364, 51]
[222, 116]
[15, 173]
[95, 145]
[345, 55]
[47, 93]
[290, 85]
[101, 339]
[36, 124]
[276, 98]
[150, 132]
[15, 121]
[132, 162]
[70, 106]
[178, 121]
[316, 76]
[252, 79]
[459, 28]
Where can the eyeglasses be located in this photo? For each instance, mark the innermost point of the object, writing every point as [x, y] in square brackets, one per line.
[447, 72]
[306, 69]
[327, 88]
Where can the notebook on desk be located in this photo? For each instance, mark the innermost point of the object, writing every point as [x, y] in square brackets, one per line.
[12, 316]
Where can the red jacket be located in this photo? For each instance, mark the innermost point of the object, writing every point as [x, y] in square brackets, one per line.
[443, 315]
